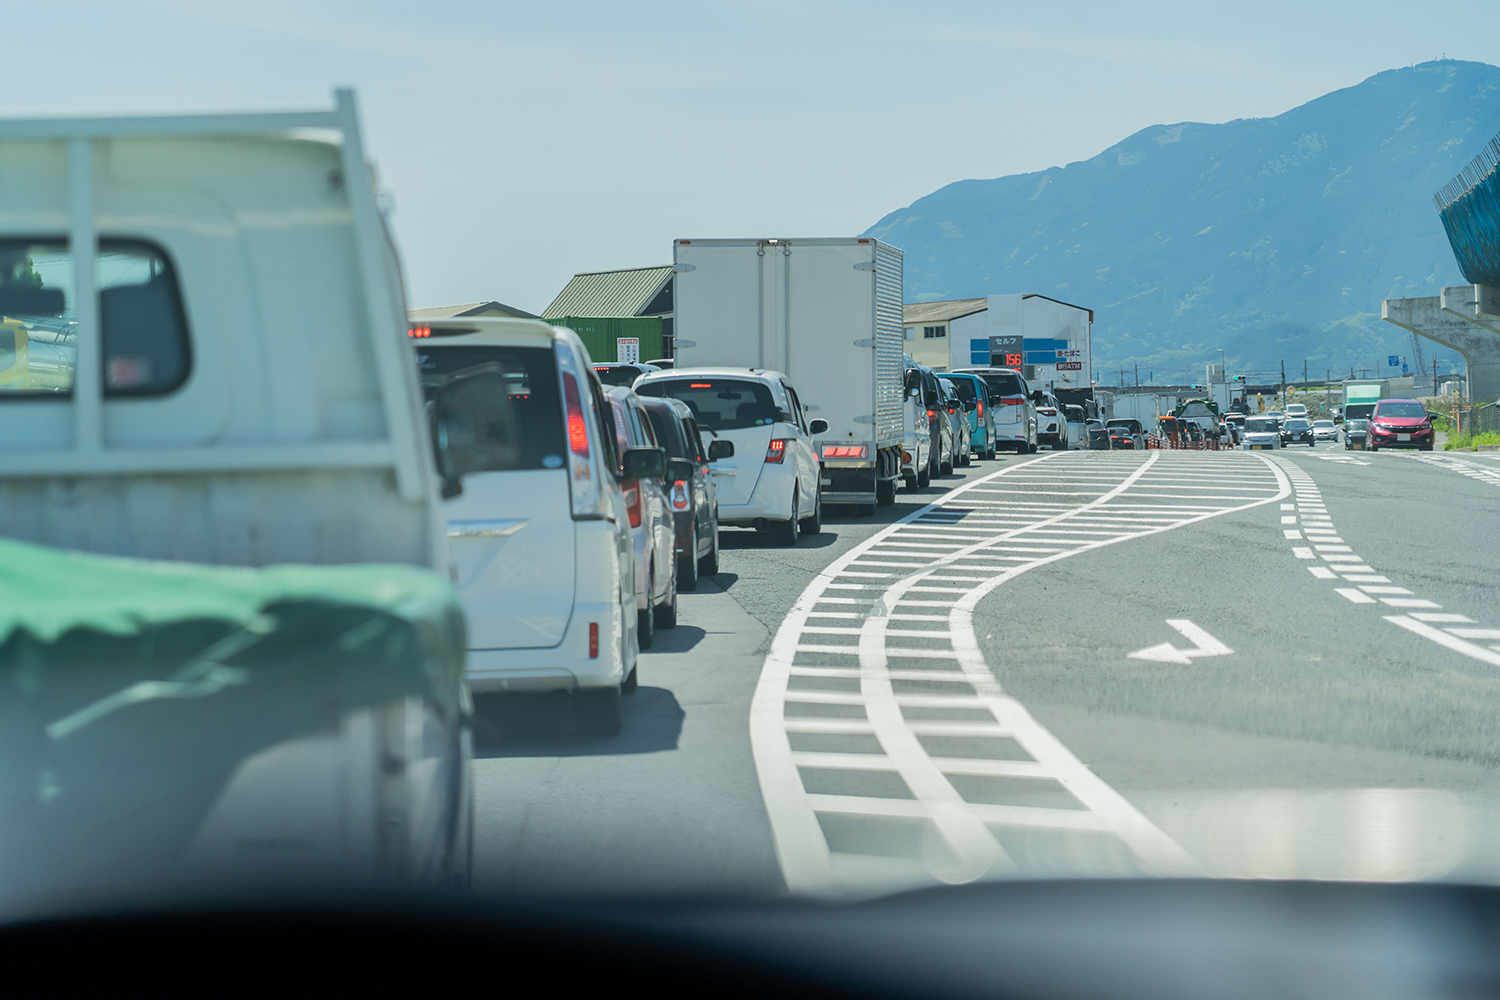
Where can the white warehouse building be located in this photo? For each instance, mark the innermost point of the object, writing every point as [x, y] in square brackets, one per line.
[1048, 339]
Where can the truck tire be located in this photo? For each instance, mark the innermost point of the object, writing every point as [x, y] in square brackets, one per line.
[924, 477]
[599, 711]
[885, 492]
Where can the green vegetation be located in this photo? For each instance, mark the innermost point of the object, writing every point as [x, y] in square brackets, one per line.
[1469, 442]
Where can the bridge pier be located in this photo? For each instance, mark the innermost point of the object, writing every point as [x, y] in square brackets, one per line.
[1465, 318]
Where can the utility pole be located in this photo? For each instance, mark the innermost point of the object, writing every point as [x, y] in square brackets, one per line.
[1434, 376]
[1137, 373]
[1304, 374]
[1122, 378]
[1283, 385]
[1362, 372]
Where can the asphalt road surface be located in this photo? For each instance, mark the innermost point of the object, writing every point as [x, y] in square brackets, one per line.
[1270, 663]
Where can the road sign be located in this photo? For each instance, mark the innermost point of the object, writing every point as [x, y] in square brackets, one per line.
[1393, 360]
[1203, 645]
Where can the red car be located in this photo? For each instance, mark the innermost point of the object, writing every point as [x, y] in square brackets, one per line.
[1399, 423]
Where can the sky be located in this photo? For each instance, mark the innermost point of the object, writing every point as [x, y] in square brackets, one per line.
[523, 142]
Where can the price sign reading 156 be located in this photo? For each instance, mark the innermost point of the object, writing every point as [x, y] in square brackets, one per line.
[1006, 352]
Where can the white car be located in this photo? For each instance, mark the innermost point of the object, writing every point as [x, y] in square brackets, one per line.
[916, 447]
[1262, 433]
[538, 527]
[1296, 410]
[651, 524]
[773, 481]
[1078, 428]
[1325, 430]
[1012, 406]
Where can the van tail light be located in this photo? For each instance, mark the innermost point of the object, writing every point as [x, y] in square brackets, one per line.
[589, 499]
[844, 450]
[593, 640]
[1012, 400]
[980, 411]
[633, 502]
[680, 498]
[931, 417]
[776, 451]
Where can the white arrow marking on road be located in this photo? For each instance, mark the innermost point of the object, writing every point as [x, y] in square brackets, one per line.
[1203, 645]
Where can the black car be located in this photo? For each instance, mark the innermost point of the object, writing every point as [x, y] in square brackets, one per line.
[1098, 436]
[691, 493]
[1354, 434]
[1297, 430]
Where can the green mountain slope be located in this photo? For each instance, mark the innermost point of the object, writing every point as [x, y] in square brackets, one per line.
[1273, 238]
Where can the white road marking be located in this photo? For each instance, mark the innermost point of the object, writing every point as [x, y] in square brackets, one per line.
[1322, 572]
[1303, 552]
[962, 839]
[1442, 638]
[1203, 645]
[1357, 596]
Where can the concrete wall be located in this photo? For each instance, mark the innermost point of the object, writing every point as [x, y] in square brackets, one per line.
[932, 353]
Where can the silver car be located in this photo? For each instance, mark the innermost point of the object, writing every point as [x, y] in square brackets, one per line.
[651, 522]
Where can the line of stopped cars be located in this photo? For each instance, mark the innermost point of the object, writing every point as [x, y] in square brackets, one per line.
[582, 498]
[1393, 423]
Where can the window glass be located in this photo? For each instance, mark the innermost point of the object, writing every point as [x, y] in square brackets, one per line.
[933, 332]
[1003, 383]
[1400, 411]
[142, 324]
[965, 389]
[513, 404]
[668, 434]
[720, 404]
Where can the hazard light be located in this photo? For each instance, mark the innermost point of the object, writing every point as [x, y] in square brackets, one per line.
[419, 331]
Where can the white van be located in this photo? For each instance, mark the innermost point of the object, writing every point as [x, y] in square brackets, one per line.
[538, 526]
[772, 481]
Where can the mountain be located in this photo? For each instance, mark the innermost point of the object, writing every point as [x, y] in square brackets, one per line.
[1273, 238]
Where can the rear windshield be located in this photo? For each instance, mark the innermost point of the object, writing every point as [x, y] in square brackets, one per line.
[669, 434]
[618, 374]
[1401, 411]
[1296, 424]
[1002, 383]
[1123, 422]
[965, 389]
[720, 404]
[521, 426]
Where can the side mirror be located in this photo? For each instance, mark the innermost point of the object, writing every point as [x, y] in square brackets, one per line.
[971, 405]
[680, 470]
[644, 463]
[819, 426]
[718, 449]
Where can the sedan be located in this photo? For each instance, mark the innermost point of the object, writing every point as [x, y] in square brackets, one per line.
[1125, 432]
[1296, 430]
[1325, 430]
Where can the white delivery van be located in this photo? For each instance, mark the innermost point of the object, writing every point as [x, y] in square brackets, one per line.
[824, 312]
[217, 378]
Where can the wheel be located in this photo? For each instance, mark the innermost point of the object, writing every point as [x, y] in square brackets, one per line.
[786, 531]
[647, 630]
[599, 711]
[968, 458]
[945, 469]
[910, 482]
[991, 454]
[687, 566]
[631, 683]
[924, 478]
[885, 493]
[666, 612]
[814, 525]
[1031, 449]
[709, 564]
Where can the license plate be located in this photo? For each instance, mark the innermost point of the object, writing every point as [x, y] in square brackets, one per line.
[1403, 437]
[1259, 447]
[1357, 446]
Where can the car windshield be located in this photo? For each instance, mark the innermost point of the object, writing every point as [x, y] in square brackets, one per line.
[1260, 425]
[720, 404]
[1400, 410]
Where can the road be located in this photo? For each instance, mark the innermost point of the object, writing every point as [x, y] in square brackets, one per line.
[1281, 663]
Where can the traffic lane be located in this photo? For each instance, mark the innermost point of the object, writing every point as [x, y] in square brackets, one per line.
[1427, 527]
[1317, 690]
[671, 806]
[766, 579]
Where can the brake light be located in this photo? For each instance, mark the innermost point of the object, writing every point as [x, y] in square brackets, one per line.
[905, 456]
[1012, 400]
[578, 430]
[593, 640]
[633, 502]
[776, 451]
[700, 385]
[680, 498]
[931, 416]
[981, 409]
[844, 451]
[419, 331]
[1046, 411]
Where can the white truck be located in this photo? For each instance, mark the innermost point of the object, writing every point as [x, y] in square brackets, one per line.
[824, 312]
[225, 384]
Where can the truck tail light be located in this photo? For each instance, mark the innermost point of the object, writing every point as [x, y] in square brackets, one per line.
[593, 640]
[905, 456]
[633, 502]
[844, 450]
[776, 451]
[680, 498]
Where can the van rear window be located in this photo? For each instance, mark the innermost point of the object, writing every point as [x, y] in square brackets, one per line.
[719, 404]
[522, 423]
[965, 389]
[1003, 383]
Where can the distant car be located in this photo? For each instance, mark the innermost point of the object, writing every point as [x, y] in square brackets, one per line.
[917, 428]
[691, 492]
[661, 363]
[1051, 422]
[1262, 433]
[651, 522]
[974, 392]
[1399, 423]
[1098, 436]
[621, 372]
[773, 481]
[1015, 413]
[1126, 432]
[1078, 430]
[958, 425]
[1277, 416]
[1354, 434]
[1325, 430]
[1296, 410]
[1296, 430]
